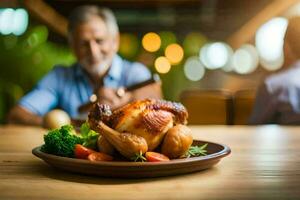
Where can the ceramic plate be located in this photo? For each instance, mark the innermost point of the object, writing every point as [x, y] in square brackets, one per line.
[122, 169]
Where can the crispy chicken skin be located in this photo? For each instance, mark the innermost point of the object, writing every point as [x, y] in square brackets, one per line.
[150, 119]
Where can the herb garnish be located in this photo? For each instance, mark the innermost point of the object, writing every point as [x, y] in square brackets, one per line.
[139, 157]
[196, 151]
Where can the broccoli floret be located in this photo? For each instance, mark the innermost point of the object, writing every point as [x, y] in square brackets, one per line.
[61, 142]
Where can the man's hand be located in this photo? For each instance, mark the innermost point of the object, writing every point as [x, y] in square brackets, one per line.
[109, 96]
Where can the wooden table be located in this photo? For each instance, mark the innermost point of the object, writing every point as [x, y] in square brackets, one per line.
[264, 164]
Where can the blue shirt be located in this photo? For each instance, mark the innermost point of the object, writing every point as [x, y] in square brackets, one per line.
[68, 88]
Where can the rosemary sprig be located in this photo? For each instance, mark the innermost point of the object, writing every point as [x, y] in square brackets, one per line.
[139, 157]
[196, 151]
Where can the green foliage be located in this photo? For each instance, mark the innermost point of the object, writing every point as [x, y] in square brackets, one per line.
[89, 136]
[61, 142]
[195, 151]
[25, 60]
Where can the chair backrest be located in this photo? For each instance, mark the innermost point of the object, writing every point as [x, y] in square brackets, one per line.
[242, 105]
[208, 106]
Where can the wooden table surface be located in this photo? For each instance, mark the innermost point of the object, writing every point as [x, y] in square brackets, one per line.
[264, 164]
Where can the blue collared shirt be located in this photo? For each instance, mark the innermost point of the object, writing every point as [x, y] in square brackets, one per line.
[68, 88]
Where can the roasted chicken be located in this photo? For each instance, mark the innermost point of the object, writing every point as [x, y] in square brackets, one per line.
[142, 126]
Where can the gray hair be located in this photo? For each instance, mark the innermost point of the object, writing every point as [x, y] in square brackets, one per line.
[83, 14]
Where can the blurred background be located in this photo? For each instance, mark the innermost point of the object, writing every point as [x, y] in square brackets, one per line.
[193, 44]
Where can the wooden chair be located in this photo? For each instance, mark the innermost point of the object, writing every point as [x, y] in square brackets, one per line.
[242, 105]
[208, 106]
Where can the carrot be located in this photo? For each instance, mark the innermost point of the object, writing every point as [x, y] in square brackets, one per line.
[99, 156]
[82, 152]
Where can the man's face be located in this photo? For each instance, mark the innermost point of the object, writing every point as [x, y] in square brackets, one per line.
[94, 46]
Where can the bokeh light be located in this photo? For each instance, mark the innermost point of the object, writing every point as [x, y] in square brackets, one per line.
[272, 65]
[245, 59]
[151, 42]
[194, 69]
[13, 21]
[228, 67]
[269, 43]
[162, 65]
[6, 17]
[193, 43]
[174, 53]
[215, 55]
[20, 21]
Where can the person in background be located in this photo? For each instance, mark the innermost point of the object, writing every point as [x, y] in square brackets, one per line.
[94, 38]
[278, 97]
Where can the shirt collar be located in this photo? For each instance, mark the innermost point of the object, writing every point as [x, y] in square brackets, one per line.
[116, 68]
[114, 71]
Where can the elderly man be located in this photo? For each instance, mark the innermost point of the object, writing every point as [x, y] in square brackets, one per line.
[94, 38]
[278, 98]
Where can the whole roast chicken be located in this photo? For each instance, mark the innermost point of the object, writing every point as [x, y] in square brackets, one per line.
[142, 126]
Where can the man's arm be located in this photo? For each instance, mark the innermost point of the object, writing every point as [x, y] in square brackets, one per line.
[40, 100]
[265, 107]
[20, 115]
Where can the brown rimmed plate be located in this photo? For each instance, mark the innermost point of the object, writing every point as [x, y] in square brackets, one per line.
[122, 169]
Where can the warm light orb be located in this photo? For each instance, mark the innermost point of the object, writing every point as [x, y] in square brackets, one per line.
[151, 42]
[162, 65]
[174, 53]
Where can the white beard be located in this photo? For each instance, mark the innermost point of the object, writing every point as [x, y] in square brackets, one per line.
[97, 70]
